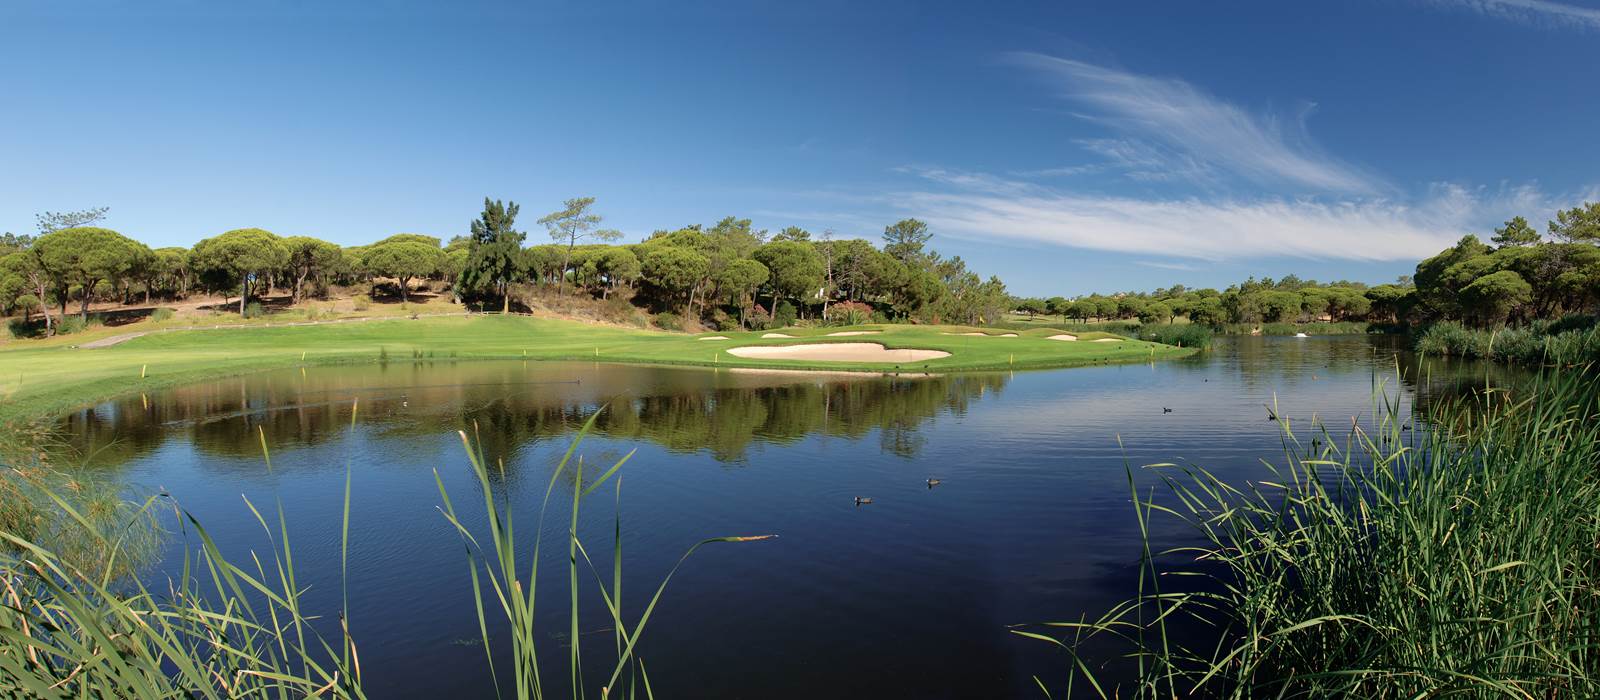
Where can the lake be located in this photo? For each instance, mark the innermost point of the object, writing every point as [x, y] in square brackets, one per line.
[910, 596]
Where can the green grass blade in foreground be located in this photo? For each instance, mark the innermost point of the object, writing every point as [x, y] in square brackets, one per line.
[1460, 562]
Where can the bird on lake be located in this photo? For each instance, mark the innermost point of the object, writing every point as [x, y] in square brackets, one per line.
[934, 482]
[862, 501]
[1164, 409]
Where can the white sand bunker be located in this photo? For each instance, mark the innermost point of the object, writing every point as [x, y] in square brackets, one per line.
[1107, 340]
[986, 335]
[776, 335]
[714, 337]
[856, 333]
[1064, 336]
[836, 352]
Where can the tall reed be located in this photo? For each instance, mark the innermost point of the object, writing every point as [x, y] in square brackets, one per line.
[225, 630]
[1460, 558]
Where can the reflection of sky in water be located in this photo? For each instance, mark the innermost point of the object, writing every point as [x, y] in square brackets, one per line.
[907, 597]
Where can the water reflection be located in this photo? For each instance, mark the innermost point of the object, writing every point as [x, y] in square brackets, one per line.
[1032, 521]
[516, 405]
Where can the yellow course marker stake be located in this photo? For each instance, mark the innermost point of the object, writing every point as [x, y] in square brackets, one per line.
[302, 356]
[142, 369]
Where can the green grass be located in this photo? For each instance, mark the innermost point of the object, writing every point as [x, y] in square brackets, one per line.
[1457, 559]
[49, 378]
[1574, 340]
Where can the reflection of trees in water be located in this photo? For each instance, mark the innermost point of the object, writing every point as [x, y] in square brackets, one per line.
[1435, 381]
[726, 422]
[224, 418]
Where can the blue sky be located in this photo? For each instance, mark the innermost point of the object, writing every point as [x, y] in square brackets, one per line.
[1068, 146]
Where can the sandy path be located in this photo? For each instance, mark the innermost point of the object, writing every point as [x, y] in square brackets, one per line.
[836, 352]
[113, 340]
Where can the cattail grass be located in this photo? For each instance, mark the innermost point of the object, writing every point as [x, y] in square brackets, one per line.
[1458, 559]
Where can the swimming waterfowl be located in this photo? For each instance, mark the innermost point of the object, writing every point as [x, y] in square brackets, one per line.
[934, 482]
[862, 501]
[1164, 409]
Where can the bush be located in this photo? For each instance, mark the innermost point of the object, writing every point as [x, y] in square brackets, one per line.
[849, 313]
[360, 302]
[725, 322]
[161, 314]
[70, 325]
[783, 315]
[1188, 335]
[669, 321]
[254, 310]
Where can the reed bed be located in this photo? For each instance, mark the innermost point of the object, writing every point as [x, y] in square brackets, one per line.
[239, 627]
[1460, 558]
[1569, 341]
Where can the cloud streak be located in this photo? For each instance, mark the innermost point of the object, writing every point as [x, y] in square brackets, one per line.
[1536, 11]
[1198, 133]
[986, 208]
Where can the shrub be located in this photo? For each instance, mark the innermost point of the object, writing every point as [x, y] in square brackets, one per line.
[360, 302]
[725, 322]
[161, 314]
[783, 315]
[849, 313]
[254, 310]
[1188, 335]
[669, 321]
[70, 325]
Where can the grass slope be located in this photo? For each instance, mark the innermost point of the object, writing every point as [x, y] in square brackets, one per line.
[42, 380]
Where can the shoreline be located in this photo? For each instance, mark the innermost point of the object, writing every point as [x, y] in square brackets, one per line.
[40, 384]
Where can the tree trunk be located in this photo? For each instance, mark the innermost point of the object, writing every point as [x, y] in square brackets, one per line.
[404, 283]
[244, 293]
[561, 275]
[44, 308]
[88, 290]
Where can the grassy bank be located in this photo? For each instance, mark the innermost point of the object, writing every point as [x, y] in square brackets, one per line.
[1456, 559]
[1569, 341]
[40, 380]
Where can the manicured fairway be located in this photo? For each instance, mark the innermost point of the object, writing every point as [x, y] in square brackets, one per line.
[45, 379]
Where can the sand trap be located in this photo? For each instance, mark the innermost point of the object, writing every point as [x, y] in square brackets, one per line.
[856, 333]
[1107, 340]
[776, 335]
[836, 352]
[714, 337]
[986, 335]
[1064, 336]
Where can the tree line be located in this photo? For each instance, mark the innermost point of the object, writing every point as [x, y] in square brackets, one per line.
[1518, 276]
[728, 274]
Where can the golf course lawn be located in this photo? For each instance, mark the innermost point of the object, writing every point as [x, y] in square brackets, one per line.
[48, 379]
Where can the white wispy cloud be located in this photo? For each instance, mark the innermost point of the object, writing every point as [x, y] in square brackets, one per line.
[1199, 134]
[1166, 265]
[1535, 11]
[987, 208]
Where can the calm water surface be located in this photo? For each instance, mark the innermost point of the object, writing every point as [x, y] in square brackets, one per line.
[907, 597]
